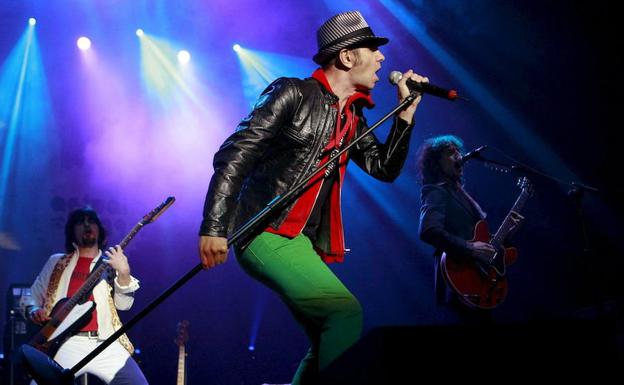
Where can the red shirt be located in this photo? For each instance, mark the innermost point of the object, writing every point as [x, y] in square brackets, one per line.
[78, 277]
[298, 216]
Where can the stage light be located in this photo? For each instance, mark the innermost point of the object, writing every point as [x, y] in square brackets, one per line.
[251, 348]
[139, 32]
[184, 56]
[260, 68]
[32, 21]
[25, 128]
[83, 43]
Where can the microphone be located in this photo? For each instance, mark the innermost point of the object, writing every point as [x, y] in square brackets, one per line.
[425, 88]
[474, 154]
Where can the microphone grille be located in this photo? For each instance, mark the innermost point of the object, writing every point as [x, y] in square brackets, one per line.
[394, 77]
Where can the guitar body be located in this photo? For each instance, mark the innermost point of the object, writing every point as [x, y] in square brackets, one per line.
[479, 285]
[62, 325]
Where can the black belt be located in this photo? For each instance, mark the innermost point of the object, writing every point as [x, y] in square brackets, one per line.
[93, 333]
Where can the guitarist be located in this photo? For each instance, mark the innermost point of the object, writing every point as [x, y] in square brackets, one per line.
[448, 216]
[63, 275]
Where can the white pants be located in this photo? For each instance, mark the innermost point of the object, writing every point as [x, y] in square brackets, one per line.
[113, 365]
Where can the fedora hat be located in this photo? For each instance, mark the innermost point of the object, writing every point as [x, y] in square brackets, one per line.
[344, 30]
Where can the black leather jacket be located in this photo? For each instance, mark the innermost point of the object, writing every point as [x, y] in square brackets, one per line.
[279, 144]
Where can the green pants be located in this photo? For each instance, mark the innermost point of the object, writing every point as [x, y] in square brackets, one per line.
[330, 315]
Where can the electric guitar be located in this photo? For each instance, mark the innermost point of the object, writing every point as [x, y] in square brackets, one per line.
[69, 315]
[484, 285]
[180, 340]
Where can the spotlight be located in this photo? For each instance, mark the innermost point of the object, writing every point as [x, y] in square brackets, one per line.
[251, 348]
[184, 56]
[236, 47]
[83, 43]
[32, 21]
[139, 32]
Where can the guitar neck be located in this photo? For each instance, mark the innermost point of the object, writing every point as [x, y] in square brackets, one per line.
[83, 291]
[181, 365]
[508, 223]
[124, 242]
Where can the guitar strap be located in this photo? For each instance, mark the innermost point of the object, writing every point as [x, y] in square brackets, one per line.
[53, 283]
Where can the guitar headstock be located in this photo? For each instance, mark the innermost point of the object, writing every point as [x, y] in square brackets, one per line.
[525, 185]
[182, 331]
[154, 214]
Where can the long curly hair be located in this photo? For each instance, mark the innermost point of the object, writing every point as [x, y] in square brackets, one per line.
[429, 154]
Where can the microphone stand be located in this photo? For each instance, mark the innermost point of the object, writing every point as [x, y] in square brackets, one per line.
[46, 371]
[576, 192]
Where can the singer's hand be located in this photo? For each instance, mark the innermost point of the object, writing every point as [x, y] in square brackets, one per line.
[408, 113]
[212, 251]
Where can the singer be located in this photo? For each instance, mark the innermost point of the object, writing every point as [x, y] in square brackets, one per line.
[448, 215]
[296, 125]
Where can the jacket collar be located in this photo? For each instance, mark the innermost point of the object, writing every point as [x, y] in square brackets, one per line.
[359, 97]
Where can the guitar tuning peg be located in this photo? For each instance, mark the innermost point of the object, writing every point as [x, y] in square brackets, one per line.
[497, 168]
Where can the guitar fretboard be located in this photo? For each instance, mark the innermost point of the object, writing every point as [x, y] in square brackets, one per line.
[505, 227]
